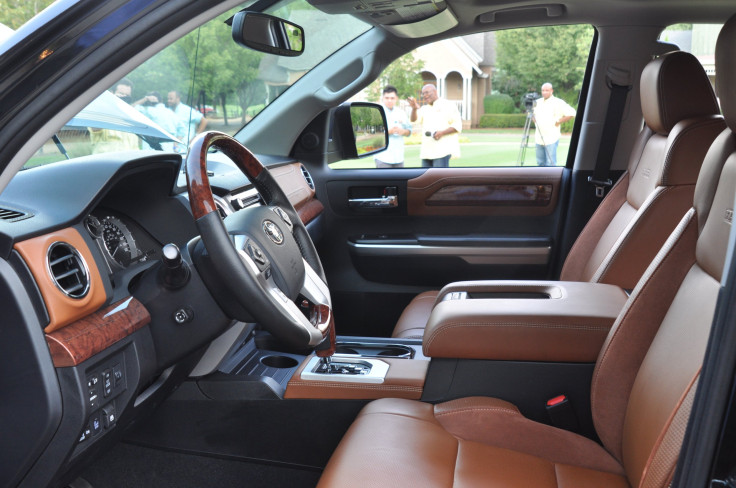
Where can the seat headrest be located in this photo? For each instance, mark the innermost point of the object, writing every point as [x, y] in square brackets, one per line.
[675, 87]
[726, 71]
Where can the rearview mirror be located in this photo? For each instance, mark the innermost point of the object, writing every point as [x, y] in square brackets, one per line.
[361, 127]
[267, 34]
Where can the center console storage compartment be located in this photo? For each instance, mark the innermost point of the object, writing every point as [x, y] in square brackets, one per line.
[551, 321]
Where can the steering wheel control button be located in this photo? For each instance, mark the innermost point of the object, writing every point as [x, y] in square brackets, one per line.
[284, 216]
[183, 315]
[273, 232]
[255, 253]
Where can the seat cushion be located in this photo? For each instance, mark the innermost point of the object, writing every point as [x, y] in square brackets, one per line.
[465, 442]
[413, 320]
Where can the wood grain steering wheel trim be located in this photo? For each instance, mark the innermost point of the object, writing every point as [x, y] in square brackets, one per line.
[201, 199]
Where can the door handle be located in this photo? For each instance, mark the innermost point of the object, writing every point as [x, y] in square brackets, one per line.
[388, 201]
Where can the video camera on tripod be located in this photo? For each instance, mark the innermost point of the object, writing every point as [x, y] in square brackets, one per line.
[528, 100]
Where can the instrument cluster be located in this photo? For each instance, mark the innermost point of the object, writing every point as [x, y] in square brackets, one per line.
[123, 243]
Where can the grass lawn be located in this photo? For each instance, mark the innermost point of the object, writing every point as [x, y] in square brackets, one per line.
[478, 147]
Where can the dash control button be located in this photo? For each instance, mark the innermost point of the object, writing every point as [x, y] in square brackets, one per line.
[108, 415]
[107, 383]
[117, 375]
[95, 424]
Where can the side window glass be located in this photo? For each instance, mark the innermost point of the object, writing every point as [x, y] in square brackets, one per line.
[505, 98]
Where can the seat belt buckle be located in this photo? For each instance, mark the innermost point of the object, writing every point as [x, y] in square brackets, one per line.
[561, 414]
[600, 186]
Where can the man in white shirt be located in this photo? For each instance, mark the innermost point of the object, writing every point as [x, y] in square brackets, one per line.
[441, 126]
[550, 113]
[399, 127]
[190, 122]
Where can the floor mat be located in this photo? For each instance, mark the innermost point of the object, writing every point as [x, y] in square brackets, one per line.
[128, 466]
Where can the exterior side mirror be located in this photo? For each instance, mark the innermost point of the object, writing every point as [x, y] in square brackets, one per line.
[361, 127]
[268, 34]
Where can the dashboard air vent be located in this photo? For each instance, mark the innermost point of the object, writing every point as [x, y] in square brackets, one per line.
[68, 270]
[12, 215]
[307, 177]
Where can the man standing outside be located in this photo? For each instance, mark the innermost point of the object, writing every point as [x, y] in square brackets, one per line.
[109, 140]
[153, 107]
[550, 113]
[441, 126]
[190, 122]
[399, 127]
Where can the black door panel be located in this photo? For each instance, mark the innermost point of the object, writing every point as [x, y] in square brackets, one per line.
[446, 225]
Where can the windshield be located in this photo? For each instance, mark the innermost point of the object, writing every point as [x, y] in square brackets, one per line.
[204, 81]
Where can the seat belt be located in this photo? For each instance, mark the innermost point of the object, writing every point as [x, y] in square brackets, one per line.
[616, 80]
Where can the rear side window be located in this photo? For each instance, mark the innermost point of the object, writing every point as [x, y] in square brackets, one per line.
[505, 98]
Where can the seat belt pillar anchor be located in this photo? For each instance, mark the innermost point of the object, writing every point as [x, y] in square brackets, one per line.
[600, 186]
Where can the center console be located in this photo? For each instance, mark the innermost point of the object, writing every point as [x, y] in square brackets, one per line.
[548, 323]
[552, 321]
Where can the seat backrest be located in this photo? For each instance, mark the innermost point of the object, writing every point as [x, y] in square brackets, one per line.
[647, 372]
[633, 221]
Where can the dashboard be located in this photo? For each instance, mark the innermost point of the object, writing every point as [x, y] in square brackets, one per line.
[96, 328]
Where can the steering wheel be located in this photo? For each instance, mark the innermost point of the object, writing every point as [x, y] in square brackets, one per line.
[262, 255]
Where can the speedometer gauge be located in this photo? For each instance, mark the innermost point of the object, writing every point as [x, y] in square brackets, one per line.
[119, 241]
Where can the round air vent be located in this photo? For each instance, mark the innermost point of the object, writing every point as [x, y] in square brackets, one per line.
[307, 177]
[68, 270]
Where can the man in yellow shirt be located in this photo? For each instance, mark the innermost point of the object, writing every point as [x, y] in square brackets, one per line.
[550, 113]
[441, 126]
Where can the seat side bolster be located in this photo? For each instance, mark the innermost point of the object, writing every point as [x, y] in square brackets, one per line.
[414, 317]
[585, 244]
[646, 233]
[634, 330]
[499, 423]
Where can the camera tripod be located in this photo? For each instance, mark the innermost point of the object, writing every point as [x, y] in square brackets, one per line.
[525, 139]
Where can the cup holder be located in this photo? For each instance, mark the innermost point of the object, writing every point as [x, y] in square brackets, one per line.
[394, 352]
[281, 362]
[375, 350]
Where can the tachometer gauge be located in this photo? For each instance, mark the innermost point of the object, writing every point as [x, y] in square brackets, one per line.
[119, 241]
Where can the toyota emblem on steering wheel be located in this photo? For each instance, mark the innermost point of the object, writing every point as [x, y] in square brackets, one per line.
[273, 232]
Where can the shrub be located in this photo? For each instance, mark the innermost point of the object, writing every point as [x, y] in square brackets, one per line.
[498, 104]
[502, 121]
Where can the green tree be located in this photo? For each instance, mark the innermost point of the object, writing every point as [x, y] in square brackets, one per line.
[404, 74]
[14, 13]
[223, 69]
[526, 58]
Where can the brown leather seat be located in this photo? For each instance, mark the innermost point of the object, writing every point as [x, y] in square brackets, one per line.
[642, 388]
[635, 218]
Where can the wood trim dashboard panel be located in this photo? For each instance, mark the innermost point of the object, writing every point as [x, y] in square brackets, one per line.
[62, 309]
[298, 191]
[77, 342]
